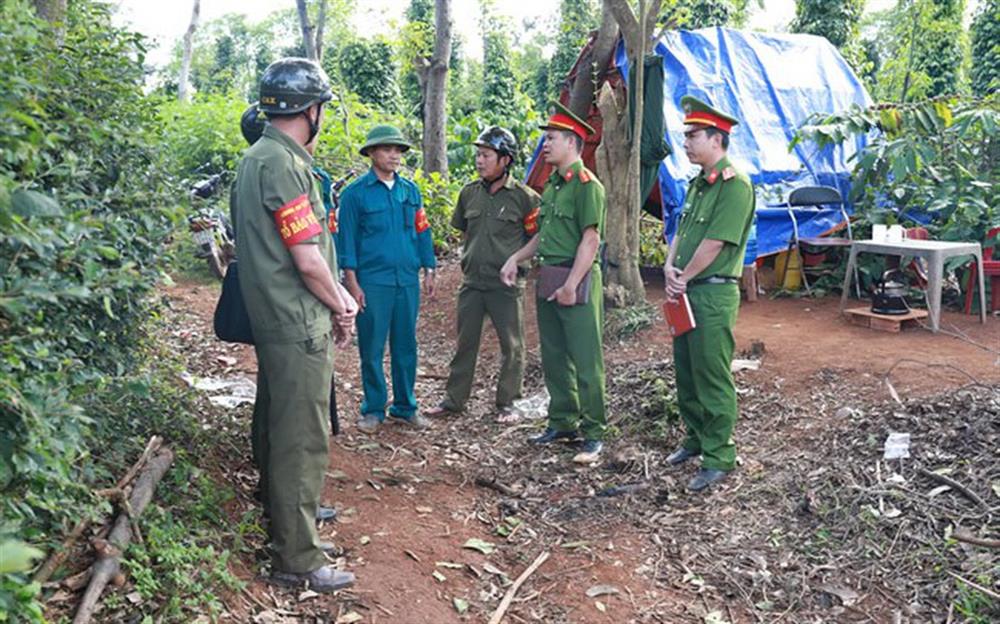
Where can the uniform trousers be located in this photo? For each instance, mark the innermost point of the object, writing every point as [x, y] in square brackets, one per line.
[505, 308]
[390, 313]
[290, 435]
[706, 393]
[573, 362]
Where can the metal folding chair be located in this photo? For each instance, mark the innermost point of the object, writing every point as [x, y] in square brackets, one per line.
[815, 197]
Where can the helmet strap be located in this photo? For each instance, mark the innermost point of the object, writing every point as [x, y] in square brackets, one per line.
[313, 124]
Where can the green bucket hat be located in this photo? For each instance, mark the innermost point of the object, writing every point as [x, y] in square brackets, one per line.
[384, 135]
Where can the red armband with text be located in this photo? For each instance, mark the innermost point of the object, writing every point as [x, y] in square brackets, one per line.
[531, 222]
[296, 221]
[420, 222]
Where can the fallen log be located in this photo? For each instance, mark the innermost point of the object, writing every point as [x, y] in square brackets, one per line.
[56, 559]
[107, 565]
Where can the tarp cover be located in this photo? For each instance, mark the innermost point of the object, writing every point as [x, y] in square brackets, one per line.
[771, 83]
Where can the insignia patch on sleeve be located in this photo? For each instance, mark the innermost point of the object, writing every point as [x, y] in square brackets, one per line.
[296, 222]
[728, 173]
[420, 222]
[531, 222]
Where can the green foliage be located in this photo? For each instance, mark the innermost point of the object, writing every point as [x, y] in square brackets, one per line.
[920, 50]
[941, 156]
[498, 79]
[986, 48]
[694, 14]
[202, 135]
[178, 571]
[839, 21]
[440, 196]
[85, 216]
[576, 19]
[366, 67]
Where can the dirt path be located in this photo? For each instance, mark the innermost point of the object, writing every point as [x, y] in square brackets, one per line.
[407, 500]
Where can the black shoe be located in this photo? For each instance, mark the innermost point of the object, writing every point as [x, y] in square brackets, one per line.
[551, 435]
[323, 579]
[705, 478]
[681, 455]
[325, 514]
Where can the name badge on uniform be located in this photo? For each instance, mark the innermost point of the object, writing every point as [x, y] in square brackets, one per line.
[296, 221]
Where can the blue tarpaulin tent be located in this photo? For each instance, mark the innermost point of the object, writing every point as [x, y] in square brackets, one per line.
[771, 83]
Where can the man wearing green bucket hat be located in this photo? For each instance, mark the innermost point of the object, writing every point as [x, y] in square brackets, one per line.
[705, 262]
[385, 239]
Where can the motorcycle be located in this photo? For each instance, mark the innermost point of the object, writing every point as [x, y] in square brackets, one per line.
[210, 228]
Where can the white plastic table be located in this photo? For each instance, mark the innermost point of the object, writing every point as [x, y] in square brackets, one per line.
[935, 253]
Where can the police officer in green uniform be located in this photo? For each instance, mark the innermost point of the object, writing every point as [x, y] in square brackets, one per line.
[571, 225]
[297, 312]
[705, 262]
[497, 215]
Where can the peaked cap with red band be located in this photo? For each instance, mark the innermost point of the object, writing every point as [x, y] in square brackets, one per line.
[564, 119]
[698, 112]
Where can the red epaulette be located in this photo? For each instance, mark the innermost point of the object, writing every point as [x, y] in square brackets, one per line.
[728, 173]
[584, 176]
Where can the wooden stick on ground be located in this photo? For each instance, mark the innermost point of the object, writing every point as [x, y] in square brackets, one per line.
[509, 596]
[107, 564]
[955, 485]
[992, 594]
[968, 538]
[56, 559]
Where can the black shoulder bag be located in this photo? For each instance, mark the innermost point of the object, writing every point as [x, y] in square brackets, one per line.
[231, 322]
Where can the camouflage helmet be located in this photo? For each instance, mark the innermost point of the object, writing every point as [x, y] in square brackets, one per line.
[291, 85]
[252, 124]
[500, 140]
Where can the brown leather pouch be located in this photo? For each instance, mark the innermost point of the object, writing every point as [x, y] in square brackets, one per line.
[552, 277]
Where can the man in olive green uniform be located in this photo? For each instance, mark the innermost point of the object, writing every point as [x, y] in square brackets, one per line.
[497, 215]
[570, 319]
[287, 264]
[705, 262]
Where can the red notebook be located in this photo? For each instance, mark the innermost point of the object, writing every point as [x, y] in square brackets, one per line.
[680, 318]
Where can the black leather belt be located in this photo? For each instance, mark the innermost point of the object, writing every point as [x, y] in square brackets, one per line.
[714, 279]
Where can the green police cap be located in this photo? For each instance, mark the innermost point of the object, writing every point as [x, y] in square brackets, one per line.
[563, 119]
[384, 135]
[698, 112]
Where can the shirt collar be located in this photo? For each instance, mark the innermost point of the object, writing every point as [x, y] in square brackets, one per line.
[572, 172]
[289, 143]
[371, 177]
[710, 175]
[508, 183]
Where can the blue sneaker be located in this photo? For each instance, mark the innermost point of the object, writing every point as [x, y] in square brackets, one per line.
[551, 435]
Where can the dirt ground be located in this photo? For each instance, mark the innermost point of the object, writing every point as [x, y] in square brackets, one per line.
[408, 501]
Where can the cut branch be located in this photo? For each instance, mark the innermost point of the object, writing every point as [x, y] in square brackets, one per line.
[56, 559]
[509, 596]
[107, 565]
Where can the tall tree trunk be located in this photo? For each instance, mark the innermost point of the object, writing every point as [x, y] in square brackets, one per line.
[320, 25]
[183, 92]
[619, 157]
[308, 30]
[590, 72]
[435, 82]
